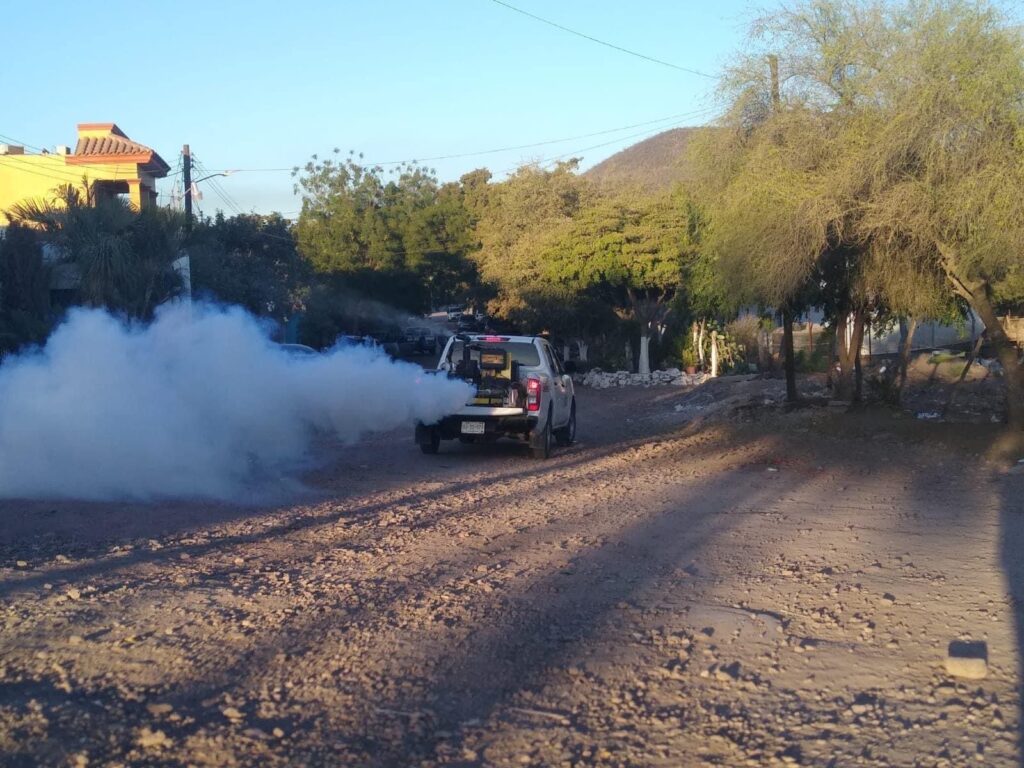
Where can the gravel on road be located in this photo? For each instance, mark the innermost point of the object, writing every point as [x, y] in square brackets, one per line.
[780, 591]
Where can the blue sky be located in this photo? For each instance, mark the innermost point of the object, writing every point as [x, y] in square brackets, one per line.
[266, 84]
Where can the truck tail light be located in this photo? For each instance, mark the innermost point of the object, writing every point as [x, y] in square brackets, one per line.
[532, 393]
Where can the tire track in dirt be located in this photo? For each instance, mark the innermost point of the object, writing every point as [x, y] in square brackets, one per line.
[704, 598]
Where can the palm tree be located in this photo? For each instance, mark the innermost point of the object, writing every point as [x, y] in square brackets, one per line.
[124, 257]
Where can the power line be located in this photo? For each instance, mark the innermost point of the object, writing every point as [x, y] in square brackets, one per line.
[228, 200]
[496, 150]
[37, 172]
[542, 163]
[603, 42]
[544, 143]
[556, 158]
[232, 204]
[219, 190]
[176, 199]
[227, 196]
[11, 140]
[70, 175]
[405, 252]
[607, 143]
[60, 172]
[201, 171]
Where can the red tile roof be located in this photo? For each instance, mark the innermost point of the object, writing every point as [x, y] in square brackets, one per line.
[117, 147]
[109, 145]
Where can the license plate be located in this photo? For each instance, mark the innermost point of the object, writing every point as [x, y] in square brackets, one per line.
[472, 427]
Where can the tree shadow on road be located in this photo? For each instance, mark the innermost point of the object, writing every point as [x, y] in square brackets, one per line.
[512, 638]
[226, 527]
[604, 576]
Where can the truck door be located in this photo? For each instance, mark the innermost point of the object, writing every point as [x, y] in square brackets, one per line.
[560, 397]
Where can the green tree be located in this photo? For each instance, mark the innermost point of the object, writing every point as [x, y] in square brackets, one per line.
[765, 181]
[377, 232]
[561, 255]
[515, 217]
[809, 178]
[249, 260]
[635, 247]
[944, 166]
[24, 289]
[123, 258]
[438, 239]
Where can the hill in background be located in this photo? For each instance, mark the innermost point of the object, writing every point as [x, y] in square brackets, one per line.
[652, 164]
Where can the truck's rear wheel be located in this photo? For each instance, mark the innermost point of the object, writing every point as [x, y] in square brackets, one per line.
[567, 435]
[432, 445]
[540, 441]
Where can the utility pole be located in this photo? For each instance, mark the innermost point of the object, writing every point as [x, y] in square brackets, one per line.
[789, 358]
[186, 167]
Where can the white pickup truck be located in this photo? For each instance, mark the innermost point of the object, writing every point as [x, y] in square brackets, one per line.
[521, 390]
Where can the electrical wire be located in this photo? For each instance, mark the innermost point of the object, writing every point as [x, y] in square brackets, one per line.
[209, 182]
[543, 143]
[460, 155]
[68, 173]
[223, 192]
[541, 164]
[12, 162]
[218, 189]
[603, 42]
[10, 140]
[647, 133]
[175, 197]
[61, 173]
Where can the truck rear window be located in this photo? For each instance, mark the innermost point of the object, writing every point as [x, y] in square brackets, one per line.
[521, 352]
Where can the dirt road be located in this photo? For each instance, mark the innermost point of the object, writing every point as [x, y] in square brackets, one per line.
[777, 592]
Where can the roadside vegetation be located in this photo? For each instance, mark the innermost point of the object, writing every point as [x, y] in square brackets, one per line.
[868, 165]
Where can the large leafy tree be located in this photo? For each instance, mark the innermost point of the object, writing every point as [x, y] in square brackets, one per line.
[944, 166]
[249, 260]
[24, 289]
[515, 218]
[123, 258]
[777, 223]
[375, 230]
[633, 246]
[562, 255]
[438, 238]
[882, 161]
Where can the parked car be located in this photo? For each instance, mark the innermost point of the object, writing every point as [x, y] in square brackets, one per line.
[351, 340]
[422, 339]
[298, 350]
[469, 324]
[454, 313]
[521, 390]
[392, 340]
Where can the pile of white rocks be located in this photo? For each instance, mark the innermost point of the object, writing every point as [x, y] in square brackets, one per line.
[599, 379]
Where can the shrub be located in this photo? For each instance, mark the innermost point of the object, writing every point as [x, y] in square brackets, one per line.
[743, 331]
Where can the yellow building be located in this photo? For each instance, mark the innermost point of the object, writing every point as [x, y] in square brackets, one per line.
[104, 157]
